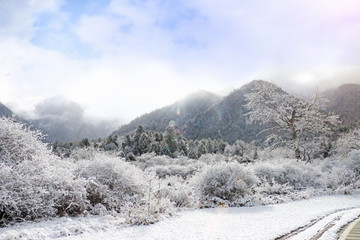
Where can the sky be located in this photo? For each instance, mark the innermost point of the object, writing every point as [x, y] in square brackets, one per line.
[122, 58]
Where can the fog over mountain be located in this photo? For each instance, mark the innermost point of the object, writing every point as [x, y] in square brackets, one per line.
[345, 101]
[61, 119]
[64, 120]
[205, 115]
[180, 112]
[201, 114]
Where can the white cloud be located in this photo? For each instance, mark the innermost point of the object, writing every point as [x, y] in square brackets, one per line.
[153, 53]
[18, 17]
[34, 73]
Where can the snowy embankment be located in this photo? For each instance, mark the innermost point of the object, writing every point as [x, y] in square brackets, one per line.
[307, 217]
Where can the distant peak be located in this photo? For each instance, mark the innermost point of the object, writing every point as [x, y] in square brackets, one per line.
[199, 94]
[349, 86]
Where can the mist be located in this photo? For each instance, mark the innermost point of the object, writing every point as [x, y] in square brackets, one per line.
[65, 120]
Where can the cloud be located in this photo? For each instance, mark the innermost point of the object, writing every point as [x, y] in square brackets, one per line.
[59, 107]
[64, 120]
[18, 17]
[306, 82]
[125, 58]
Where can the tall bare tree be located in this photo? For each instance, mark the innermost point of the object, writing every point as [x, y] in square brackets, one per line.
[303, 126]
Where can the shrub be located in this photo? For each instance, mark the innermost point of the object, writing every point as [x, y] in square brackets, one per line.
[33, 182]
[19, 143]
[223, 183]
[296, 174]
[111, 181]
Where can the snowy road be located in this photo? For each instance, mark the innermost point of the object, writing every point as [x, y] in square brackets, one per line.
[317, 218]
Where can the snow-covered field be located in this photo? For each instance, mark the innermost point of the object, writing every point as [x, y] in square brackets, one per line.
[309, 217]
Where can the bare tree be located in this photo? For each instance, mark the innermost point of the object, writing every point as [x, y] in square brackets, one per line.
[303, 126]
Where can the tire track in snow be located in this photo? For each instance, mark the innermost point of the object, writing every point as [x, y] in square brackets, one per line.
[326, 228]
[312, 223]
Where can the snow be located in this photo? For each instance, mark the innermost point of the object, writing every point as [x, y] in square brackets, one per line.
[261, 222]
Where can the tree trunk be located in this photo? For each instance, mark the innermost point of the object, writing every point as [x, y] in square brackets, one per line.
[294, 135]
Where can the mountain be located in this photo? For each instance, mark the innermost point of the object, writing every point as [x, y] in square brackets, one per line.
[203, 115]
[345, 101]
[65, 131]
[181, 112]
[226, 119]
[63, 121]
[4, 111]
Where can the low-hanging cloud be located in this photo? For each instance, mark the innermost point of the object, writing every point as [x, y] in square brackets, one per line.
[64, 120]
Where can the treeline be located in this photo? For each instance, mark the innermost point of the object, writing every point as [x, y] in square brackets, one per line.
[170, 143]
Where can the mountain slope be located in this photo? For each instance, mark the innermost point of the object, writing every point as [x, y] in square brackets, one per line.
[345, 101]
[204, 115]
[4, 111]
[181, 112]
[226, 119]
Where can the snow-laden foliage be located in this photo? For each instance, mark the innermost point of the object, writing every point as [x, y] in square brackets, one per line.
[166, 166]
[211, 159]
[303, 126]
[18, 142]
[111, 181]
[298, 175]
[242, 150]
[347, 142]
[178, 191]
[152, 207]
[276, 153]
[33, 182]
[223, 183]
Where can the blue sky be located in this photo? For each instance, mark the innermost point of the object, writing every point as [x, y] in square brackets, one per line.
[122, 58]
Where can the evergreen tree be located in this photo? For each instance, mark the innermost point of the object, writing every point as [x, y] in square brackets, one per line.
[170, 140]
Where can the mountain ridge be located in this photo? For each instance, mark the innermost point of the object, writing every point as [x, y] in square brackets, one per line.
[181, 112]
[5, 111]
[216, 118]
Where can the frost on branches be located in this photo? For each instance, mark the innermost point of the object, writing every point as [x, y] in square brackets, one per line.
[303, 126]
[33, 182]
[348, 142]
[19, 143]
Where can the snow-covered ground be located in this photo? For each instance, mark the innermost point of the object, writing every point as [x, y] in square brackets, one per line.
[308, 217]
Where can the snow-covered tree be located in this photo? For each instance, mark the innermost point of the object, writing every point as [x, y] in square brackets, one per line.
[347, 142]
[304, 126]
[171, 141]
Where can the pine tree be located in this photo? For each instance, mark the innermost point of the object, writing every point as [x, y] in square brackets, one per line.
[171, 142]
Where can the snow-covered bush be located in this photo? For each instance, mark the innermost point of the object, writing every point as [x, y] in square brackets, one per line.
[111, 181]
[178, 191]
[34, 183]
[173, 170]
[18, 142]
[354, 157]
[276, 153]
[342, 173]
[147, 212]
[152, 207]
[296, 174]
[166, 166]
[347, 142]
[211, 159]
[88, 153]
[223, 183]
